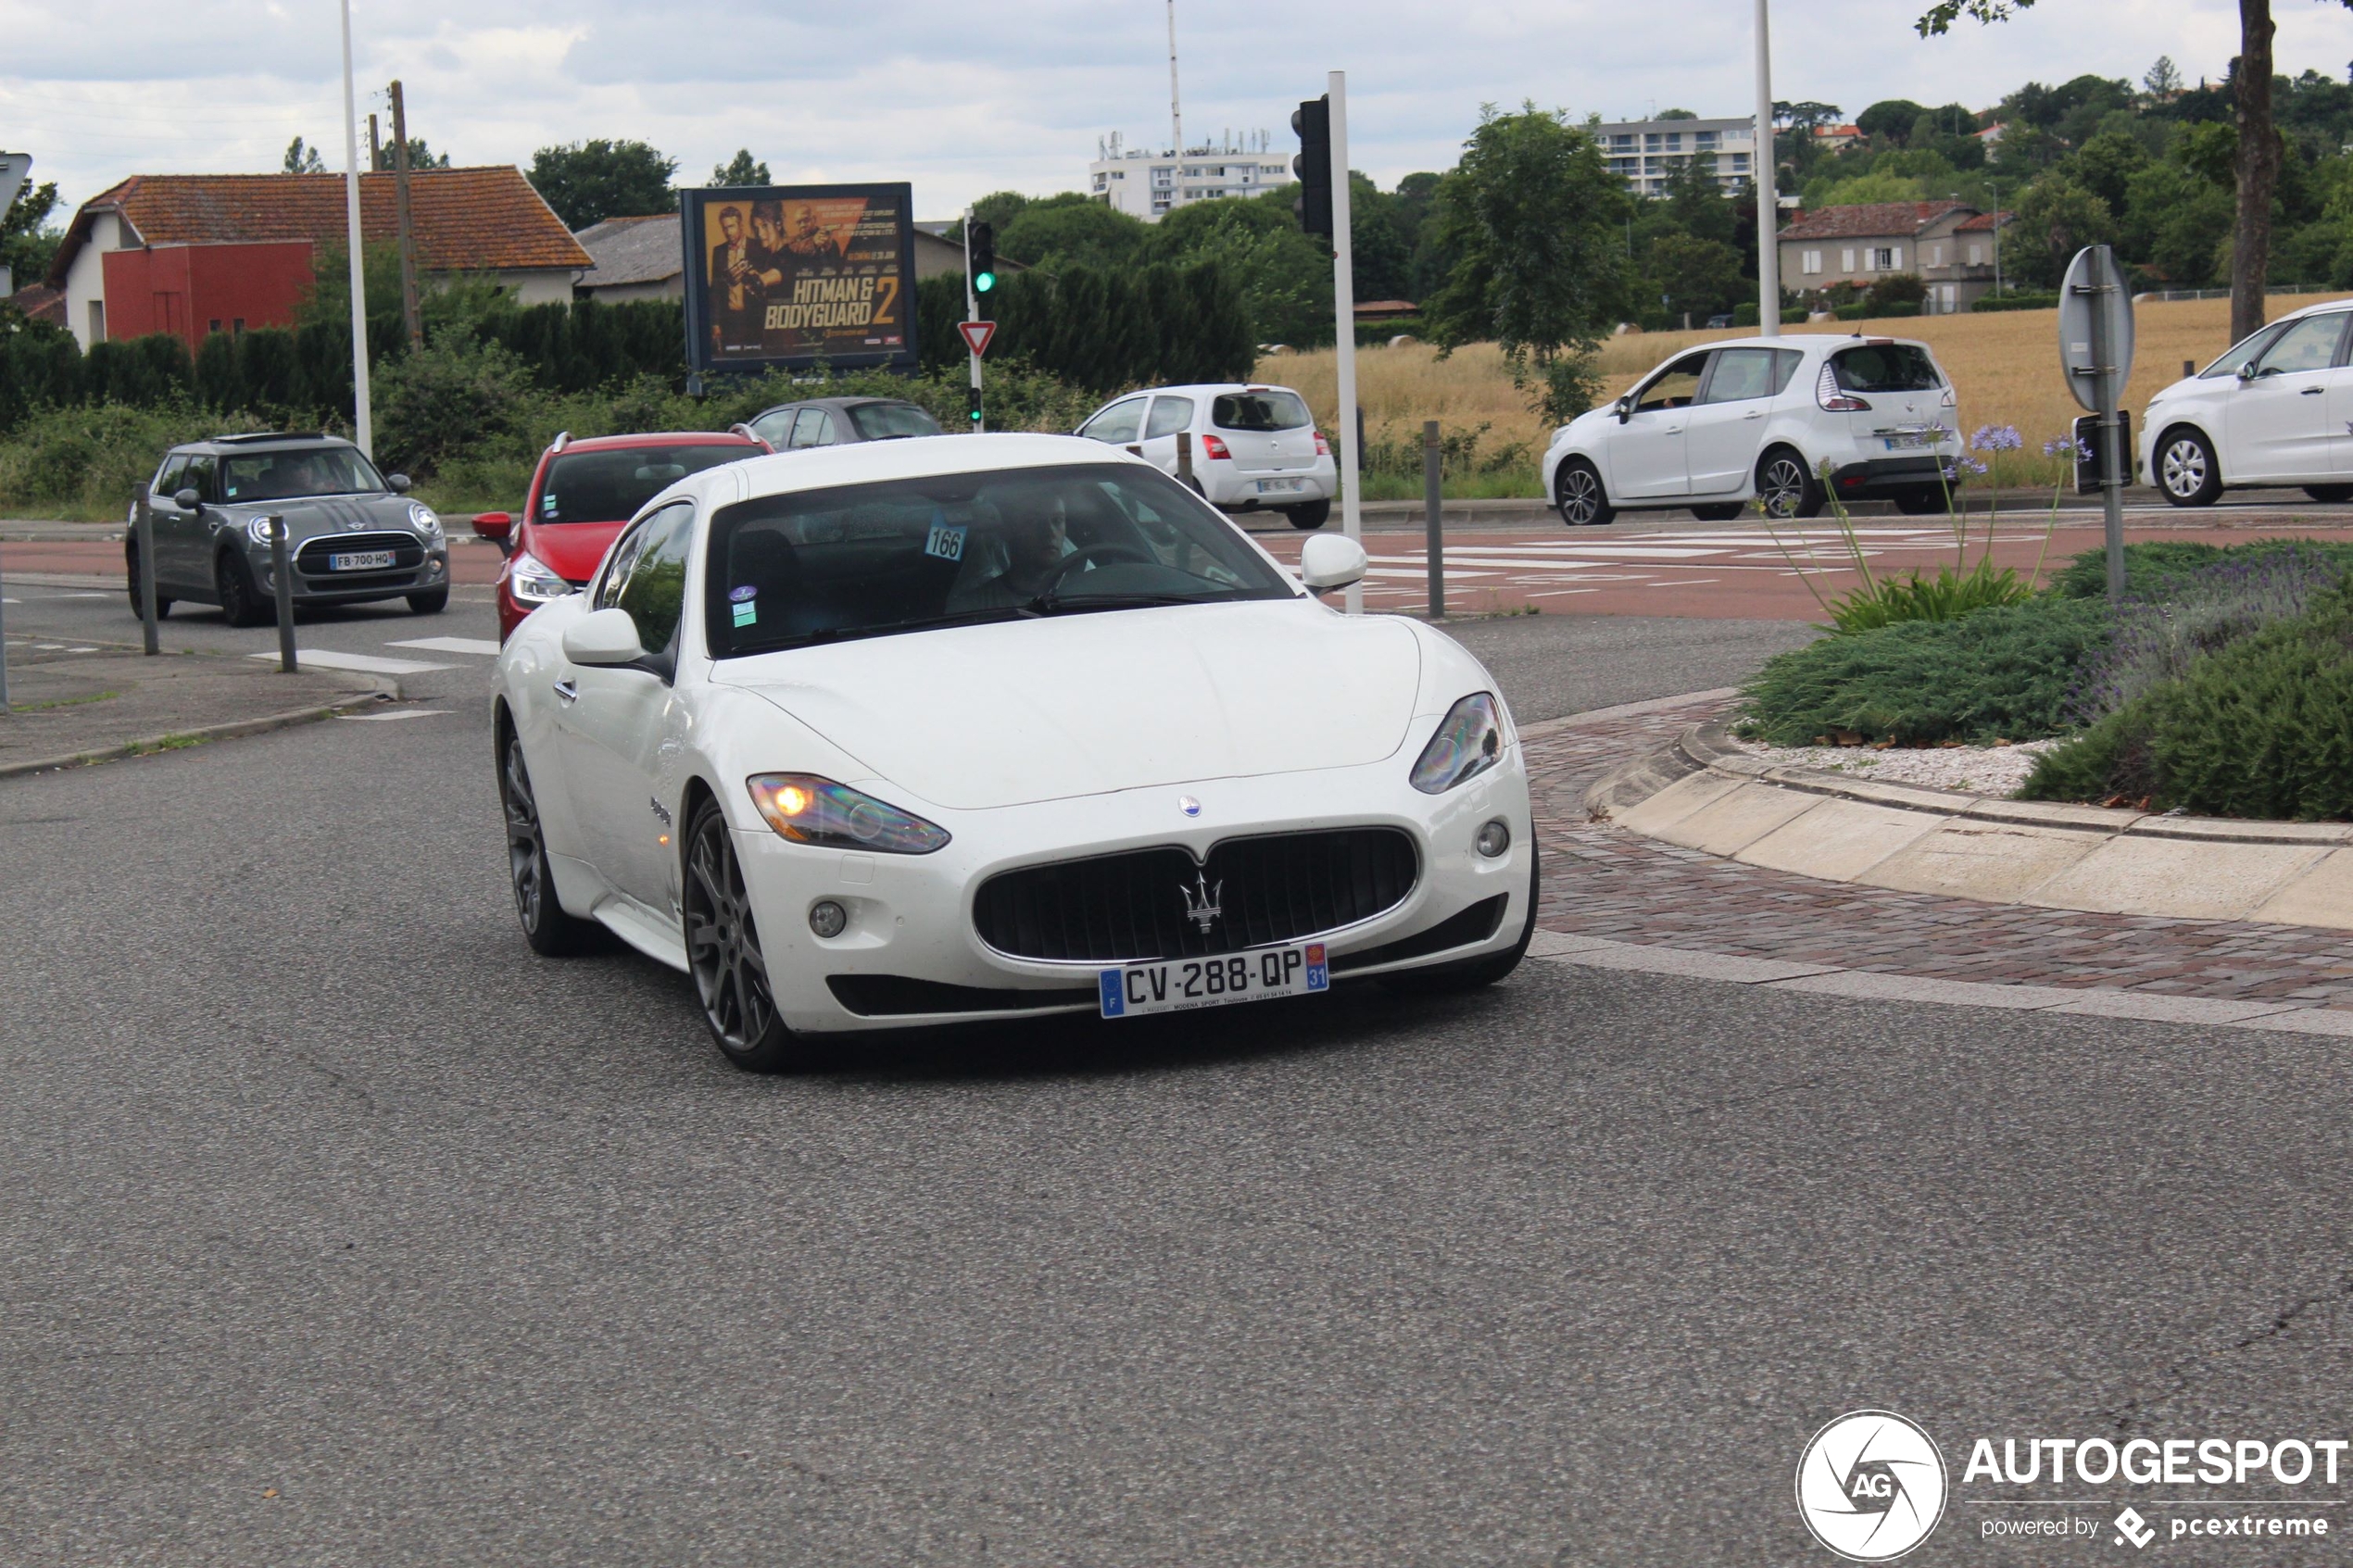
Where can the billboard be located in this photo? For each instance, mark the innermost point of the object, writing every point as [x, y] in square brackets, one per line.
[780, 277]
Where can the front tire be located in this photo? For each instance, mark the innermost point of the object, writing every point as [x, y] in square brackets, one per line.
[1719, 512]
[725, 955]
[2188, 473]
[429, 603]
[1578, 492]
[131, 566]
[1469, 974]
[241, 601]
[551, 932]
[1310, 514]
[2330, 495]
[1787, 488]
[1919, 503]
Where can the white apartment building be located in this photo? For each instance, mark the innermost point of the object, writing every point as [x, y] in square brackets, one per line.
[1646, 151]
[1151, 184]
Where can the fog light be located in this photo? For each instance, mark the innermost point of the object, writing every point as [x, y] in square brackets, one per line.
[1494, 838]
[827, 918]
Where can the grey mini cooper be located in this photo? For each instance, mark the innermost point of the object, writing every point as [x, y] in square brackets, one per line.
[352, 534]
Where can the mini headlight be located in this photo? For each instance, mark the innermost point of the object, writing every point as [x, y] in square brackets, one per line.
[257, 529]
[423, 519]
[533, 581]
[1469, 741]
[809, 810]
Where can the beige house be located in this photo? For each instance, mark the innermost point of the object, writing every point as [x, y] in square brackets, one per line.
[1948, 245]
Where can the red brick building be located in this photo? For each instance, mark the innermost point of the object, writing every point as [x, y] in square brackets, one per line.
[195, 254]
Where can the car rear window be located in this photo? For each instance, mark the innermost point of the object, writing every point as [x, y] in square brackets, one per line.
[1886, 367]
[888, 422]
[1258, 411]
[611, 486]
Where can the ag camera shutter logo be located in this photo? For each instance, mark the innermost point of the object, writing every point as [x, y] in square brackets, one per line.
[1870, 1486]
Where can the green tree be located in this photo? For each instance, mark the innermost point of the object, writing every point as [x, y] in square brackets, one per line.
[1891, 119]
[419, 155]
[741, 170]
[303, 160]
[1285, 277]
[2162, 81]
[2056, 218]
[2106, 165]
[27, 244]
[1697, 275]
[1532, 215]
[589, 182]
[1072, 230]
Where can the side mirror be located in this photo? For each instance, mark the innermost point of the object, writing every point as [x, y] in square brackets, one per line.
[186, 498]
[398, 483]
[1332, 560]
[2246, 370]
[603, 637]
[1625, 407]
[496, 527]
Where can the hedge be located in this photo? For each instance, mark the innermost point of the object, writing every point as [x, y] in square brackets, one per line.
[1098, 329]
[2017, 302]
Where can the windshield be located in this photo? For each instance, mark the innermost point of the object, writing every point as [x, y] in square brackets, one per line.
[304, 470]
[611, 486]
[1886, 367]
[867, 560]
[888, 421]
[1259, 409]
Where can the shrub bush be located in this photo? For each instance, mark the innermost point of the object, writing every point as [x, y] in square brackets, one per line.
[2003, 673]
[456, 394]
[87, 462]
[2017, 302]
[2261, 728]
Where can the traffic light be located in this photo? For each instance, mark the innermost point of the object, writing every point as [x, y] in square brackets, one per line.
[984, 254]
[971, 406]
[1313, 164]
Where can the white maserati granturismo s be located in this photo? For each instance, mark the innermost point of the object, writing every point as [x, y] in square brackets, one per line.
[996, 726]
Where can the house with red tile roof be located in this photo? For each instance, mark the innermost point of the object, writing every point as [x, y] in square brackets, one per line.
[196, 254]
[1947, 244]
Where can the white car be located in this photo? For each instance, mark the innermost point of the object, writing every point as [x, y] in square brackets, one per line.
[1785, 422]
[920, 732]
[2275, 409]
[1253, 447]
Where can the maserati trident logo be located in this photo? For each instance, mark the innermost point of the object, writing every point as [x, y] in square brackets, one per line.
[1203, 911]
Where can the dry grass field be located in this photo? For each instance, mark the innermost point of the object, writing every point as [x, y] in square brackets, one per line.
[2004, 363]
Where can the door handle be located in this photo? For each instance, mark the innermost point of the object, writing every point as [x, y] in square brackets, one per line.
[1673, 430]
[1753, 414]
[567, 692]
[2311, 392]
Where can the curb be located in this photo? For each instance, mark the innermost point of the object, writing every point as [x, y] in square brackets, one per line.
[379, 690]
[1704, 794]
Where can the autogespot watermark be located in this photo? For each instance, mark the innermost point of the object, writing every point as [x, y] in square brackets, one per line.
[1872, 1484]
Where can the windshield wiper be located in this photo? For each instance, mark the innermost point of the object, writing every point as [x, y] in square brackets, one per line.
[1053, 601]
[920, 624]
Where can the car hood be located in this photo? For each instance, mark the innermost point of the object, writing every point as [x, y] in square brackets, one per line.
[571, 549]
[310, 517]
[1014, 712]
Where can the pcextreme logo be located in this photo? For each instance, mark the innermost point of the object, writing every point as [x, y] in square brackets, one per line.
[1870, 1486]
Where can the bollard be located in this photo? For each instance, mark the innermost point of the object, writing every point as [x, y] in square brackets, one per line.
[2189, 369]
[1432, 462]
[4, 661]
[1185, 457]
[145, 530]
[282, 578]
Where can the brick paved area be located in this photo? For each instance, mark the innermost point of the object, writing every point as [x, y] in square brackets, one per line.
[1602, 881]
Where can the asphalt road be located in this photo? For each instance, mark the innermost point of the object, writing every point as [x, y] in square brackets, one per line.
[337, 1228]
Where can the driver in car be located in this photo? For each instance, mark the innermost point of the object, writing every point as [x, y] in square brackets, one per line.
[1027, 557]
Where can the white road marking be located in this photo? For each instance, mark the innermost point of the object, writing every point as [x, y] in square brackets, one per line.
[367, 663]
[482, 645]
[404, 713]
[1419, 571]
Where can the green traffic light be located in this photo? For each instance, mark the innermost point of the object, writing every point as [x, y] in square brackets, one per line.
[984, 281]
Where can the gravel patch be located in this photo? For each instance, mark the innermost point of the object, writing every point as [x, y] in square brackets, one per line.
[1996, 770]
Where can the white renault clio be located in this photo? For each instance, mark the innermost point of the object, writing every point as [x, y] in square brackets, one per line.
[1253, 447]
[2276, 409]
[913, 732]
[1786, 422]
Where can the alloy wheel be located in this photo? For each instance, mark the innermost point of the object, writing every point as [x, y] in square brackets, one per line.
[722, 944]
[1782, 489]
[1580, 497]
[523, 857]
[2184, 468]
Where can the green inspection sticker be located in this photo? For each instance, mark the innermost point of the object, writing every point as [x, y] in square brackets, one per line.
[747, 613]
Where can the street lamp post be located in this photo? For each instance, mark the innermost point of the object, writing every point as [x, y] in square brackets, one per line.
[1769, 244]
[364, 422]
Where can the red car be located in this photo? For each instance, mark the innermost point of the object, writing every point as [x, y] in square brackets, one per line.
[582, 492]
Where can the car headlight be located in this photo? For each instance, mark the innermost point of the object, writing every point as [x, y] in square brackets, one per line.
[424, 519]
[533, 581]
[809, 810]
[257, 529]
[1469, 741]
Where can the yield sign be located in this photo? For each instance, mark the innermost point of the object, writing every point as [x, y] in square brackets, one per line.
[976, 336]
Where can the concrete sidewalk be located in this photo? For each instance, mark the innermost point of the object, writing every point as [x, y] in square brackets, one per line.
[78, 703]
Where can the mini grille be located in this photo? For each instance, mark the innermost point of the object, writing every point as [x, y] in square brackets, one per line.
[1116, 909]
[311, 560]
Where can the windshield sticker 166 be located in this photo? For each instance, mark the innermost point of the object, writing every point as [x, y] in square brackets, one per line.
[1871, 1486]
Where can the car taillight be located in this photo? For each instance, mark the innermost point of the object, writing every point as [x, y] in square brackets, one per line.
[1323, 447]
[1950, 400]
[1829, 397]
[1212, 447]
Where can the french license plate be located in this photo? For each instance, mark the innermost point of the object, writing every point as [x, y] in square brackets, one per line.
[1182, 985]
[1279, 486]
[1909, 438]
[360, 560]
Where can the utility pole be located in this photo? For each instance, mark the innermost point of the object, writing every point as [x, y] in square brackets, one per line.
[1760, 159]
[1352, 420]
[363, 418]
[409, 315]
[1995, 187]
[375, 144]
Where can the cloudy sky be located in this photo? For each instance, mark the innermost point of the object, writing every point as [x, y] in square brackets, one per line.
[962, 98]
